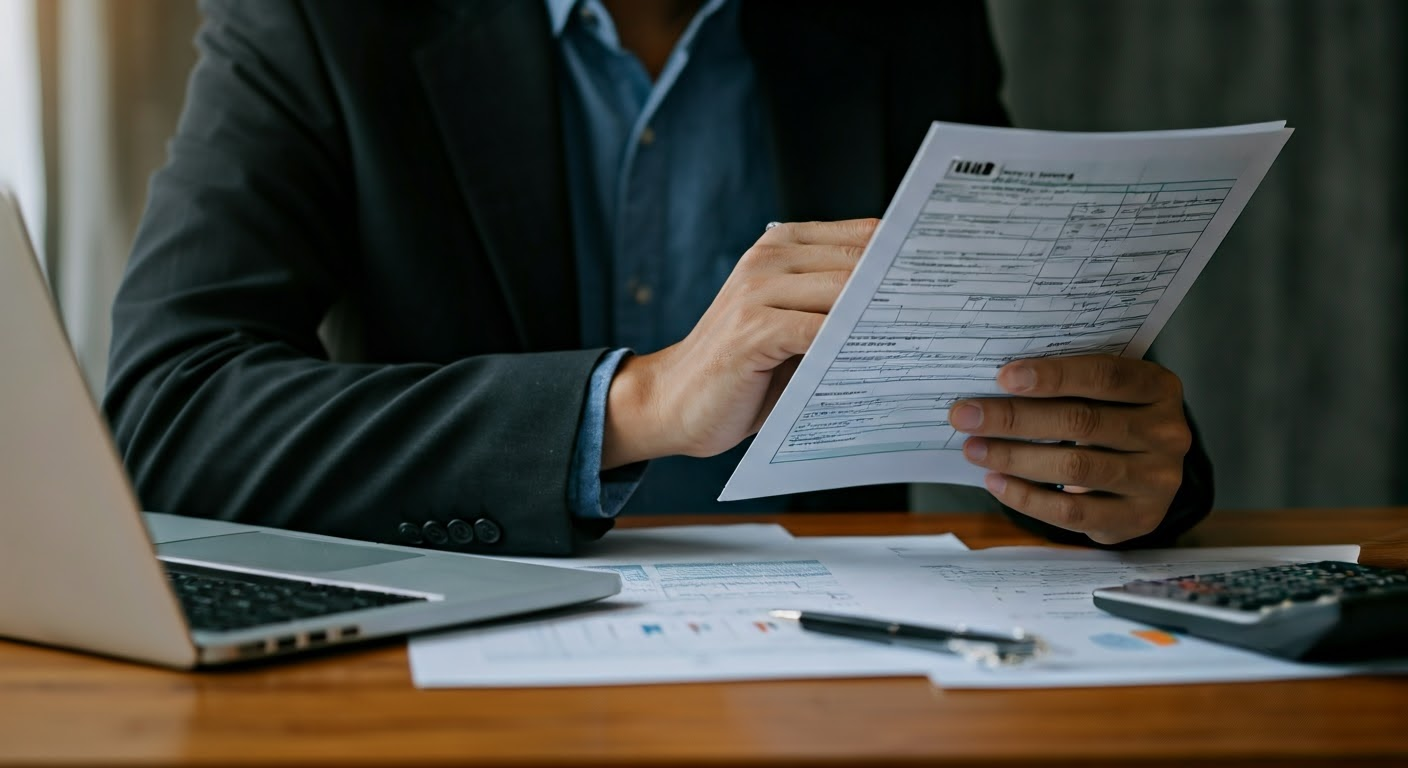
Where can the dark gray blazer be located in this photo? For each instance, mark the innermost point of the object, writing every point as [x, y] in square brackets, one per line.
[351, 306]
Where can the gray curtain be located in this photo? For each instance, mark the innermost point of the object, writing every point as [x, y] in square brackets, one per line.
[1292, 343]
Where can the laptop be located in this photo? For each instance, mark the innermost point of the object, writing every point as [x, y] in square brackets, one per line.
[81, 567]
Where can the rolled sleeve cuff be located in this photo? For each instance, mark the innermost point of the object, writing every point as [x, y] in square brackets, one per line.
[592, 493]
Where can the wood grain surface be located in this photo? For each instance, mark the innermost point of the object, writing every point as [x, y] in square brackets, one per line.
[358, 707]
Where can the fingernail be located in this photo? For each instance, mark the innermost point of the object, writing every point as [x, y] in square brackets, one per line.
[1017, 378]
[996, 482]
[966, 417]
[976, 449]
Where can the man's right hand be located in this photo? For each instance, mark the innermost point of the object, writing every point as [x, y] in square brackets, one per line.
[705, 394]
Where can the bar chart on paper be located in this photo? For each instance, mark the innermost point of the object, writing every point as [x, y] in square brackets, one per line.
[683, 617]
[1000, 245]
[647, 638]
[701, 620]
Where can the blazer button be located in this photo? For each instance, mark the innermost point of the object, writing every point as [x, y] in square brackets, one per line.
[435, 533]
[460, 532]
[410, 533]
[488, 531]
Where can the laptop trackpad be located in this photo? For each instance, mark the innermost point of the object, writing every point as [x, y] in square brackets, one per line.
[268, 551]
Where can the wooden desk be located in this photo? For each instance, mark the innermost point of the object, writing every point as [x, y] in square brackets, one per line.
[358, 707]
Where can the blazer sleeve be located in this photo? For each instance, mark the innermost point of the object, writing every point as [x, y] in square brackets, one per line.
[222, 398]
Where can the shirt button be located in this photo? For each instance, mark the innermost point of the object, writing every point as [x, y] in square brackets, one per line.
[647, 136]
[643, 294]
[588, 16]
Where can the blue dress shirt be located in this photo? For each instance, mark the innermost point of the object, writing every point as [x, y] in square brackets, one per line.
[669, 183]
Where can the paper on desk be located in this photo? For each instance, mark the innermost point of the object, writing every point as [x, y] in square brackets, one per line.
[1048, 592]
[1000, 244]
[693, 608]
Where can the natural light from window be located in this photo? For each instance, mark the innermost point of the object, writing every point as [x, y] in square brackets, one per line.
[21, 155]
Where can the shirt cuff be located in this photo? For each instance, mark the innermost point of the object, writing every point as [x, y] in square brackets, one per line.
[592, 493]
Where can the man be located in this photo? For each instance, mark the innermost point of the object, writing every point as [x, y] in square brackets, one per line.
[480, 275]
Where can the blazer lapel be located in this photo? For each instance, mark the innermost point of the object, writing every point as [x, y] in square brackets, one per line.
[492, 84]
[824, 93]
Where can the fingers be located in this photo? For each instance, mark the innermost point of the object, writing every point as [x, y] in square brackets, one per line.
[806, 278]
[1105, 519]
[854, 232]
[1130, 474]
[810, 292]
[781, 375]
[705, 393]
[799, 258]
[769, 336]
[1098, 377]
[1121, 427]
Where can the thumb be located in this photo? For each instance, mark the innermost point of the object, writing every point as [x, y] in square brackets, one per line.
[780, 376]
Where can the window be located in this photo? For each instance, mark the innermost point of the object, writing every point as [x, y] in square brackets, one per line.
[21, 143]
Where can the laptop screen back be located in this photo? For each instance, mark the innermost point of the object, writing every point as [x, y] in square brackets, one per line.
[76, 568]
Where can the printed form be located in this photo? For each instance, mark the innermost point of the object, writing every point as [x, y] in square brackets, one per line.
[1000, 244]
[694, 607]
[1048, 592]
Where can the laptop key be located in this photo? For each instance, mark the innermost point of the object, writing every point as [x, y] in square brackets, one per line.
[216, 600]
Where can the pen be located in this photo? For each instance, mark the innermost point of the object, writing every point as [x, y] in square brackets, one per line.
[991, 648]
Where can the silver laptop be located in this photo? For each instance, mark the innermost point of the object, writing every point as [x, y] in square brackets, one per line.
[79, 569]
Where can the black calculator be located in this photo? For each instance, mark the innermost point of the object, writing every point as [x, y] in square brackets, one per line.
[1325, 611]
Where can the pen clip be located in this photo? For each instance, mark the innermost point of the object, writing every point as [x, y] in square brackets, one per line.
[989, 648]
[998, 654]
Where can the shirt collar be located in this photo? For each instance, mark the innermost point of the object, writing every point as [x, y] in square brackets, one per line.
[559, 11]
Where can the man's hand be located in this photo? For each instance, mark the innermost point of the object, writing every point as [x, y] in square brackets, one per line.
[1122, 433]
[707, 393]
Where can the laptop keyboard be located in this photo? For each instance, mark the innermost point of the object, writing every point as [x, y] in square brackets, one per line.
[216, 600]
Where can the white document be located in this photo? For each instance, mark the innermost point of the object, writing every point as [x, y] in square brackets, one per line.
[694, 608]
[1000, 244]
[1048, 593]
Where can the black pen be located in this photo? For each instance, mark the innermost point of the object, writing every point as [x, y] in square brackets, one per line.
[987, 647]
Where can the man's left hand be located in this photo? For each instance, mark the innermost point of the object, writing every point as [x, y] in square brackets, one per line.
[1116, 436]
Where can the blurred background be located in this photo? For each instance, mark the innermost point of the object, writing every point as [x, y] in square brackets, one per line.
[1293, 345]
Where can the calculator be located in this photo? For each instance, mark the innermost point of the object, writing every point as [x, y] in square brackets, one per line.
[1325, 611]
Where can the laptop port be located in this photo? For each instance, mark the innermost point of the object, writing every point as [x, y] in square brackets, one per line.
[248, 650]
[347, 633]
[317, 637]
[286, 643]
